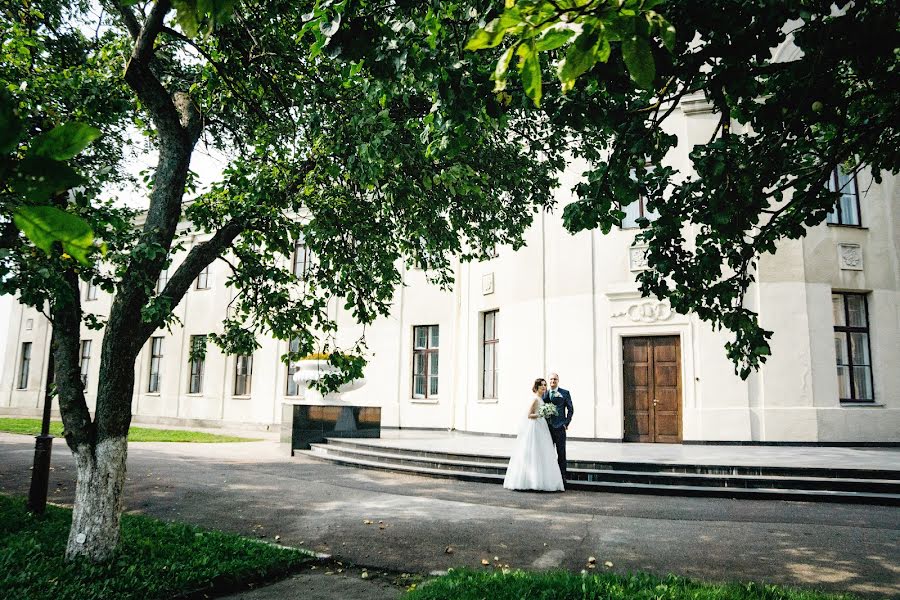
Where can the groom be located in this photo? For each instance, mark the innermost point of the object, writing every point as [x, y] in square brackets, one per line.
[562, 399]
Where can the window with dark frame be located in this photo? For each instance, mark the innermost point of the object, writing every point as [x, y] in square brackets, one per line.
[846, 209]
[91, 291]
[489, 340]
[85, 362]
[243, 371]
[636, 210]
[301, 260]
[203, 279]
[155, 360]
[24, 365]
[293, 389]
[851, 346]
[426, 360]
[197, 362]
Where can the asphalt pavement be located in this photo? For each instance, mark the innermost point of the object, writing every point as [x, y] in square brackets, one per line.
[390, 525]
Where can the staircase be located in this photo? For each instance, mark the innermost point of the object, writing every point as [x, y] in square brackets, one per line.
[861, 486]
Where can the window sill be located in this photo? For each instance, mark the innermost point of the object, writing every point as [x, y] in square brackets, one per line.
[241, 397]
[487, 401]
[157, 394]
[194, 395]
[425, 400]
[863, 227]
[862, 404]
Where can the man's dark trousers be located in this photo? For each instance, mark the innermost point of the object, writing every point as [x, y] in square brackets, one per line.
[559, 440]
[562, 400]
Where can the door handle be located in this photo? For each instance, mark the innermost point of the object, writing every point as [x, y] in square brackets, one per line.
[655, 401]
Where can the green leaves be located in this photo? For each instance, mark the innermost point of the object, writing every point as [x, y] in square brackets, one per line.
[11, 127]
[639, 59]
[46, 225]
[41, 176]
[587, 30]
[192, 15]
[64, 142]
[530, 70]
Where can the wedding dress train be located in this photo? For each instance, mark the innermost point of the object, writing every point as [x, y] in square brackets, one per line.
[533, 465]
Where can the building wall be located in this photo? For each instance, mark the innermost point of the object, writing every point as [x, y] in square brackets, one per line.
[565, 302]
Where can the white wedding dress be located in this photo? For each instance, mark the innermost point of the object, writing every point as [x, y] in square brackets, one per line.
[533, 465]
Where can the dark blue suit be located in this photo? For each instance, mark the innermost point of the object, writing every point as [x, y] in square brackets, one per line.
[562, 399]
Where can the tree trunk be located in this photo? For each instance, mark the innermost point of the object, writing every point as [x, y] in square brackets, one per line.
[98, 499]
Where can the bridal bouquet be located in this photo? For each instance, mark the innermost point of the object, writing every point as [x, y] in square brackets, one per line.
[548, 410]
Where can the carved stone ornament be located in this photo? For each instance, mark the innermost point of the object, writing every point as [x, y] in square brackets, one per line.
[487, 284]
[850, 257]
[647, 312]
[637, 258]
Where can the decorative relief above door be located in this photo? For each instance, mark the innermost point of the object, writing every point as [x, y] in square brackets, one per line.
[649, 311]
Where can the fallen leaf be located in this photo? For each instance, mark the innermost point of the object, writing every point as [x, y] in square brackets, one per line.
[608, 564]
[591, 559]
[367, 522]
[364, 575]
[448, 550]
[496, 558]
[485, 562]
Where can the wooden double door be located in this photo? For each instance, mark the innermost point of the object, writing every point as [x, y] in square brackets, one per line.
[652, 380]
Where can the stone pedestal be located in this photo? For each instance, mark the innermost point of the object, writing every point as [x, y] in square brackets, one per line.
[304, 424]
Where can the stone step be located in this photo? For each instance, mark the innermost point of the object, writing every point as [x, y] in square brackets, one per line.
[796, 482]
[634, 466]
[660, 483]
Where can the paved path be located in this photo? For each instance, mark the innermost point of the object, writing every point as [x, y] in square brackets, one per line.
[421, 524]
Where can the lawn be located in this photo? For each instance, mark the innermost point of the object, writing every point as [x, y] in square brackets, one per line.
[516, 585]
[135, 434]
[156, 559]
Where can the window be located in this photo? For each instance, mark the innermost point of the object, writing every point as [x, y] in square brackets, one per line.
[636, 210]
[85, 361]
[24, 365]
[851, 346]
[155, 360]
[292, 388]
[203, 279]
[91, 291]
[846, 210]
[489, 341]
[301, 259]
[198, 361]
[243, 369]
[426, 341]
[161, 282]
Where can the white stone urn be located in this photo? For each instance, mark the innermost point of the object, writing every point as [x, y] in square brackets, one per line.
[313, 370]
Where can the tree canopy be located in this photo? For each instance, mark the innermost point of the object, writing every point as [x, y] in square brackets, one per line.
[394, 153]
[800, 87]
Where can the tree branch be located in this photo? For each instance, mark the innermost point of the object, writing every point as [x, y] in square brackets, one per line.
[197, 259]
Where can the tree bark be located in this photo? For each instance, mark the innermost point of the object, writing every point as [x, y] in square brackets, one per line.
[98, 499]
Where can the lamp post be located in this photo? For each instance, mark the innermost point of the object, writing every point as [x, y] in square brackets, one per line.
[40, 472]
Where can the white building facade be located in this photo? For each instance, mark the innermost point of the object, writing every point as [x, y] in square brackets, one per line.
[465, 359]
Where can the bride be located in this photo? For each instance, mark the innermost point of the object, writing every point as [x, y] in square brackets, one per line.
[533, 465]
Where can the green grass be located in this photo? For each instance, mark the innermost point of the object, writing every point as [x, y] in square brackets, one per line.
[518, 585]
[155, 559]
[135, 434]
